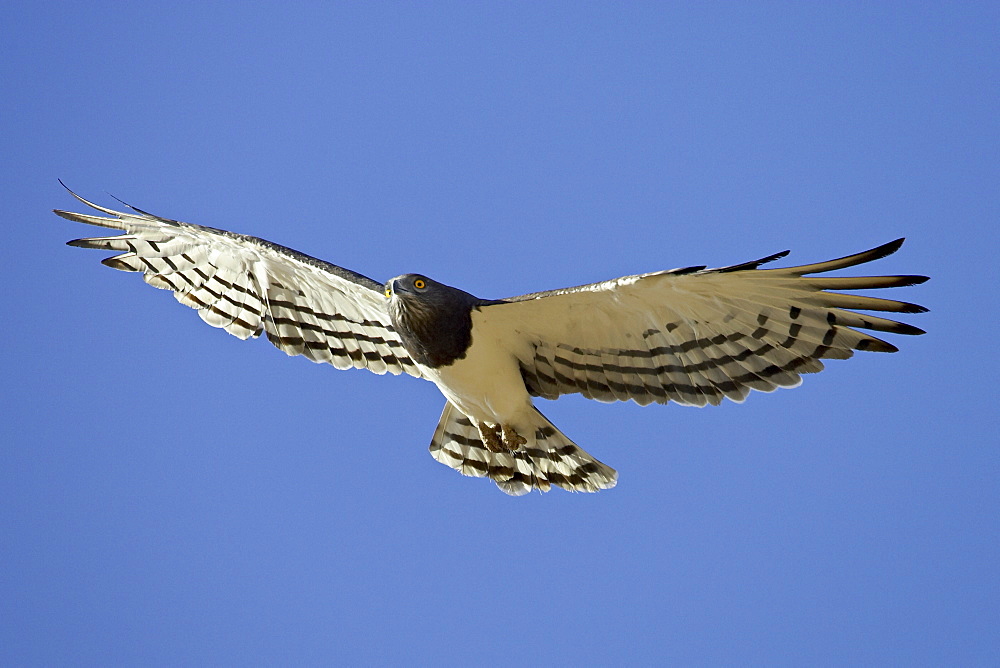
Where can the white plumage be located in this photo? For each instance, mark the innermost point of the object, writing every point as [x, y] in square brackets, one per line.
[693, 336]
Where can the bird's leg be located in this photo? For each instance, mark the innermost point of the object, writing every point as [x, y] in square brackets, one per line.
[511, 438]
[491, 437]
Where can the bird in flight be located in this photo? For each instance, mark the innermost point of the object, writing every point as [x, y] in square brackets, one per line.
[694, 335]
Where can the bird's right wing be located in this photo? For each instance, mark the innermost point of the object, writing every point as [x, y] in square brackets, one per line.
[247, 286]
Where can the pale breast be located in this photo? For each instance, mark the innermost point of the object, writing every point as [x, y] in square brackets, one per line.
[486, 384]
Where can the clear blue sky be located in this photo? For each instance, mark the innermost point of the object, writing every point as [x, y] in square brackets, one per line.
[171, 495]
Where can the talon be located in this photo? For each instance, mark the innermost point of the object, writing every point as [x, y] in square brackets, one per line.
[511, 438]
[491, 437]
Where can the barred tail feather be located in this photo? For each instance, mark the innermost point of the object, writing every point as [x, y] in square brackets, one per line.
[548, 458]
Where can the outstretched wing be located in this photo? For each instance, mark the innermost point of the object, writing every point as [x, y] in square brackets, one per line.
[246, 286]
[697, 335]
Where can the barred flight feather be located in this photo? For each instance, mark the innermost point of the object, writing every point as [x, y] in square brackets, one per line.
[706, 334]
[248, 286]
[691, 335]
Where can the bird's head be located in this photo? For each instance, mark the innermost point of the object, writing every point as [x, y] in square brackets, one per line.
[432, 319]
[409, 284]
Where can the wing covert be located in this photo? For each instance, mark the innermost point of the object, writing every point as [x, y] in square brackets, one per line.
[250, 286]
[696, 336]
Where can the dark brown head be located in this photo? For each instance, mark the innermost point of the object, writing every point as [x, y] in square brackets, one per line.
[433, 320]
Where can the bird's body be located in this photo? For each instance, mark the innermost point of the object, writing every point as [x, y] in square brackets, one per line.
[693, 336]
[486, 383]
[483, 380]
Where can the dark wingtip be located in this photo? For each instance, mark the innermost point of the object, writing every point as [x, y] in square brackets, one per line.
[909, 330]
[772, 258]
[117, 199]
[754, 264]
[913, 308]
[134, 208]
[686, 270]
[68, 189]
[885, 250]
[874, 345]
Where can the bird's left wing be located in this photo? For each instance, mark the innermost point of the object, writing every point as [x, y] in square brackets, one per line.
[696, 335]
[247, 286]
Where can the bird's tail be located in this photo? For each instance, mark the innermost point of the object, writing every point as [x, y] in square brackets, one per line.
[548, 458]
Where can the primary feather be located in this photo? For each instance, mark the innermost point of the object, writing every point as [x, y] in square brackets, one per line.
[693, 335]
[249, 286]
[697, 337]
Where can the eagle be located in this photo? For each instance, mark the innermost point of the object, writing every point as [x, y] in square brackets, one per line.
[694, 335]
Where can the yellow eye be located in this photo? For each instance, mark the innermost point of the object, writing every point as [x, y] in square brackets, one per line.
[419, 284]
[388, 292]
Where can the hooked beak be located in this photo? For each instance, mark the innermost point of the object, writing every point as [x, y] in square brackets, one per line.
[394, 287]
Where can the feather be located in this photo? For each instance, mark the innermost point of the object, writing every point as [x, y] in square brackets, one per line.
[691, 335]
[246, 285]
[698, 336]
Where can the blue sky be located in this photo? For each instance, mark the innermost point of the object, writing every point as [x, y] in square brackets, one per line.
[171, 495]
